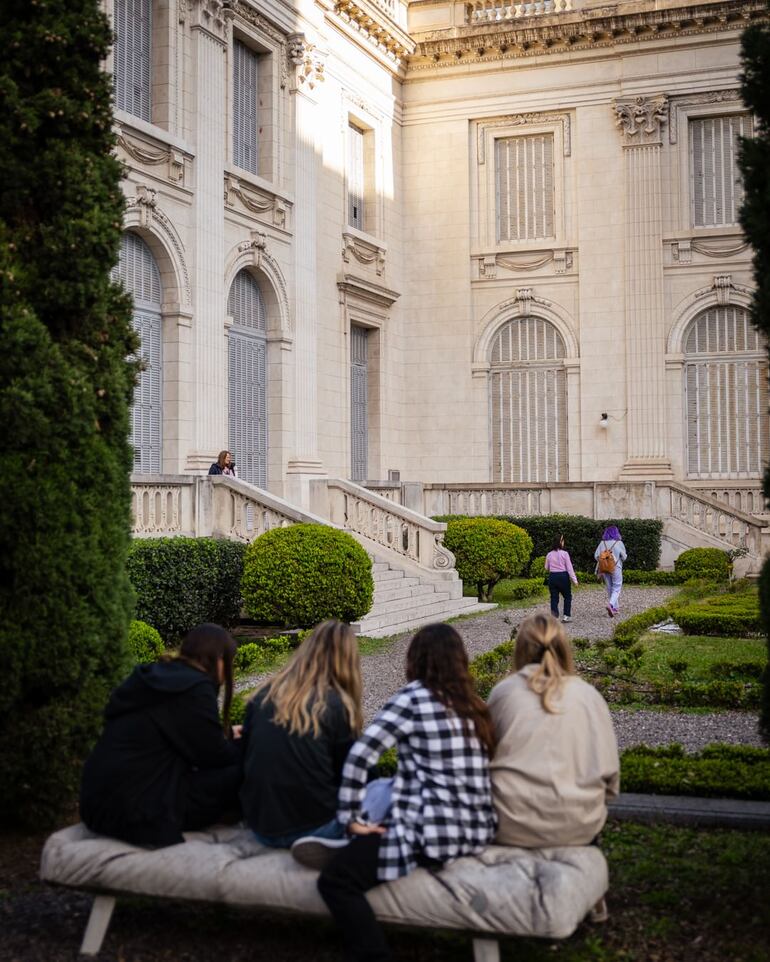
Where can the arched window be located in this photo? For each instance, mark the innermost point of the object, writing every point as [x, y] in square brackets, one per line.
[528, 402]
[726, 395]
[139, 274]
[247, 379]
[133, 57]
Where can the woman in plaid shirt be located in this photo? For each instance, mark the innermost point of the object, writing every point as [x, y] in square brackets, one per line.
[441, 805]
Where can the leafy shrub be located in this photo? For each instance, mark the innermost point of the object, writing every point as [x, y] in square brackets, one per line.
[183, 582]
[641, 537]
[722, 693]
[238, 707]
[726, 771]
[487, 550]
[632, 576]
[491, 667]
[66, 383]
[260, 656]
[710, 563]
[537, 567]
[731, 614]
[678, 666]
[144, 643]
[524, 588]
[737, 670]
[304, 574]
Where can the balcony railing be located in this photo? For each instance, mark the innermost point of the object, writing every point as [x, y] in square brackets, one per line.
[492, 11]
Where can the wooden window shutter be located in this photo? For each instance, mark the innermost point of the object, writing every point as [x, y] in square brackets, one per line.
[245, 107]
[359, 403]
[133, 57]
[355, 177]
[247, 379]
[716, 191]
[524, 187]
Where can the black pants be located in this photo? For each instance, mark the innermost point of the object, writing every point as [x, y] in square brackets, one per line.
[342, 885]
[559, 584]
[212, 795]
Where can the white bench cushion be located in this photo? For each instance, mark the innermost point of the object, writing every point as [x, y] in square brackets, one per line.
[507, 891]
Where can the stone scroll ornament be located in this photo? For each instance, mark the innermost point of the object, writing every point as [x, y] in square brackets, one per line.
[641, 119]
[442, 557]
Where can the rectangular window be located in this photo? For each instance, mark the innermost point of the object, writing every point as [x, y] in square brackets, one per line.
[245, 105]
[133, 57]
[716, 192]
[524, 187]
[359, 403]
[356, 180]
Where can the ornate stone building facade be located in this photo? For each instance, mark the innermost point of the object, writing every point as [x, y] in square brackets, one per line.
[471, 241]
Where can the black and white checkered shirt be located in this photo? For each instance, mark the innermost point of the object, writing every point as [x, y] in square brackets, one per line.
[442, 796]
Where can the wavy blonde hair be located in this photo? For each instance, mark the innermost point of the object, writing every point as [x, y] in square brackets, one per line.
[541, 640]
[327, 660]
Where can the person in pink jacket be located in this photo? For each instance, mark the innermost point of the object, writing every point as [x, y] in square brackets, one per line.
[561, 577]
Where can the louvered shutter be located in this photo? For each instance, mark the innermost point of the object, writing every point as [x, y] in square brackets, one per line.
[247, 379]
[138, 271]
[524, 186]
[716, 190]
[133, 57]
[528, 403]
[355, 177]
[245, 107]
[359, 403]
[726, 396]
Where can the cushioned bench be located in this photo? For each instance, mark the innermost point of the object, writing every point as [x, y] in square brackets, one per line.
[504, 891]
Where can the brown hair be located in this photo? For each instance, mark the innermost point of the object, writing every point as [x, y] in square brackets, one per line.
[327, 660]
[202, 648]
[221, 458]
[541, 640]
[438, 659]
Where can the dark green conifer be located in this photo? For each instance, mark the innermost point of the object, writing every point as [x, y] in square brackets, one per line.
[65, 392]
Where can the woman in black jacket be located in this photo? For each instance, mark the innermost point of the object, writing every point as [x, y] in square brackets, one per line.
[296, 736]
[165, 763]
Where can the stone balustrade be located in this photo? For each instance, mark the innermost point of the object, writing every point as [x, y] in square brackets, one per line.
[163, 506]
[493, 11]
[712, 517]
[749, 500]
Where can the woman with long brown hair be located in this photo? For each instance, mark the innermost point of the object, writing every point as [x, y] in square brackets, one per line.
[441, 802]
[165, 762]
[556, 762]
[298, 729]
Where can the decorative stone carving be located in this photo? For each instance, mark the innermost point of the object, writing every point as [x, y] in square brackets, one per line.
[681, 250]
[271, 31]
[641, 120]
[363, 251]
[307, 59]
[253, 200]
[380, 28]
[488, 267]
[723, 289]
[694, 100]
[257, 241]
[146, 201]
[525, 262]
[213, 16]
[523, 120]
[443, 559]
[142, 210]
[151, 156]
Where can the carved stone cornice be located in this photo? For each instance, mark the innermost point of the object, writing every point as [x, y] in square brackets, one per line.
[525, 262]
[641, 120]
[255, 201]
[677, 104]
[523, 120]
[723, 288]
[350, 286]
[719, 249]
[152, 155]
[584, 29]
[365, 252]
[370, 19]
[211, 16]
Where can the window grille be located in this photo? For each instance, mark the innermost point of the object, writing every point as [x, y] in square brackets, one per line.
[359, 403]
[133, 57]
[247, 379]
[355, 177]
[245, 107]
[716, 191]
[726, 396]
[528, 403]
[524, 185]
[138, 271]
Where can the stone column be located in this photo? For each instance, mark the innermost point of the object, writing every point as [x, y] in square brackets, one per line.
[305, 464]
[640, 121]
[209, 30]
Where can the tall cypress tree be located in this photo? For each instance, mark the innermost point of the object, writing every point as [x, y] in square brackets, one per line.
[65, 392]
[755, 220]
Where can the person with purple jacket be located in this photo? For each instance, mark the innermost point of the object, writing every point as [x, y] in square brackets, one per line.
[558, 564]
[613, 580]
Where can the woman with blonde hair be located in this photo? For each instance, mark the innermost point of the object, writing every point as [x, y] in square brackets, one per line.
[556, 762]
[298, 730]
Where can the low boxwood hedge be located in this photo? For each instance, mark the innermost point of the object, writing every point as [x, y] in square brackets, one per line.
[722, 771]
[183, 582]
[733, 614]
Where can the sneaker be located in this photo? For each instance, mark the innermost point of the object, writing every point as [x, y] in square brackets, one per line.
[566, 618]
[316, 853]
[610, 611]
[616, 611]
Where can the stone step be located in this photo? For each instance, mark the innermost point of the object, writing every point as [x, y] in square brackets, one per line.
[397, 622]
[389, 574]
[409, 603]
[379, 566]
[407, 588]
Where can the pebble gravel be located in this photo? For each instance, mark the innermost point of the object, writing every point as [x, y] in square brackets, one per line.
[383, 672]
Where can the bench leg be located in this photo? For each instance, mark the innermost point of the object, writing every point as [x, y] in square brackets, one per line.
[486, 950]
[98, 921]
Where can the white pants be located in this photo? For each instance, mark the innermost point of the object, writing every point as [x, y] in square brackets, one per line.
[613, 583]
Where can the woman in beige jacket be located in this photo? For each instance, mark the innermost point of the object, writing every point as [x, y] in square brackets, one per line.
[556, 762]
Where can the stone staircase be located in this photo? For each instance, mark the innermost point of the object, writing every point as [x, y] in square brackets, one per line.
[404, 600]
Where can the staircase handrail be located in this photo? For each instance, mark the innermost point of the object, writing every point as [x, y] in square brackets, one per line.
[243, 511]
[752, 538]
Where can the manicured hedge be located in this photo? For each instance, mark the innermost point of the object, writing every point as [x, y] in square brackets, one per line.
[258, 657]
[712, 564]
[487, 550]
[721, 771]
[524, 588]
[183, 582]
[641, 537]
[491, 667]
[731, 614]
[304, 574]
[144, 643]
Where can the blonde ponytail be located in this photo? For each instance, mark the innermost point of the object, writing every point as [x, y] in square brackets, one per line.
[541, 640]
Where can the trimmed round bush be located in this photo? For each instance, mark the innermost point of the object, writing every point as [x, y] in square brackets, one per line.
[487, 550]
[537, 567]
[304, 574]
[144, 643]
[710, 563]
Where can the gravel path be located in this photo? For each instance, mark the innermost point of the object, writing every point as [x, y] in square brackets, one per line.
[383, 673]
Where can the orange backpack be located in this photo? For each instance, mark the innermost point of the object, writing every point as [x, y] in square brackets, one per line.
[606, 565]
